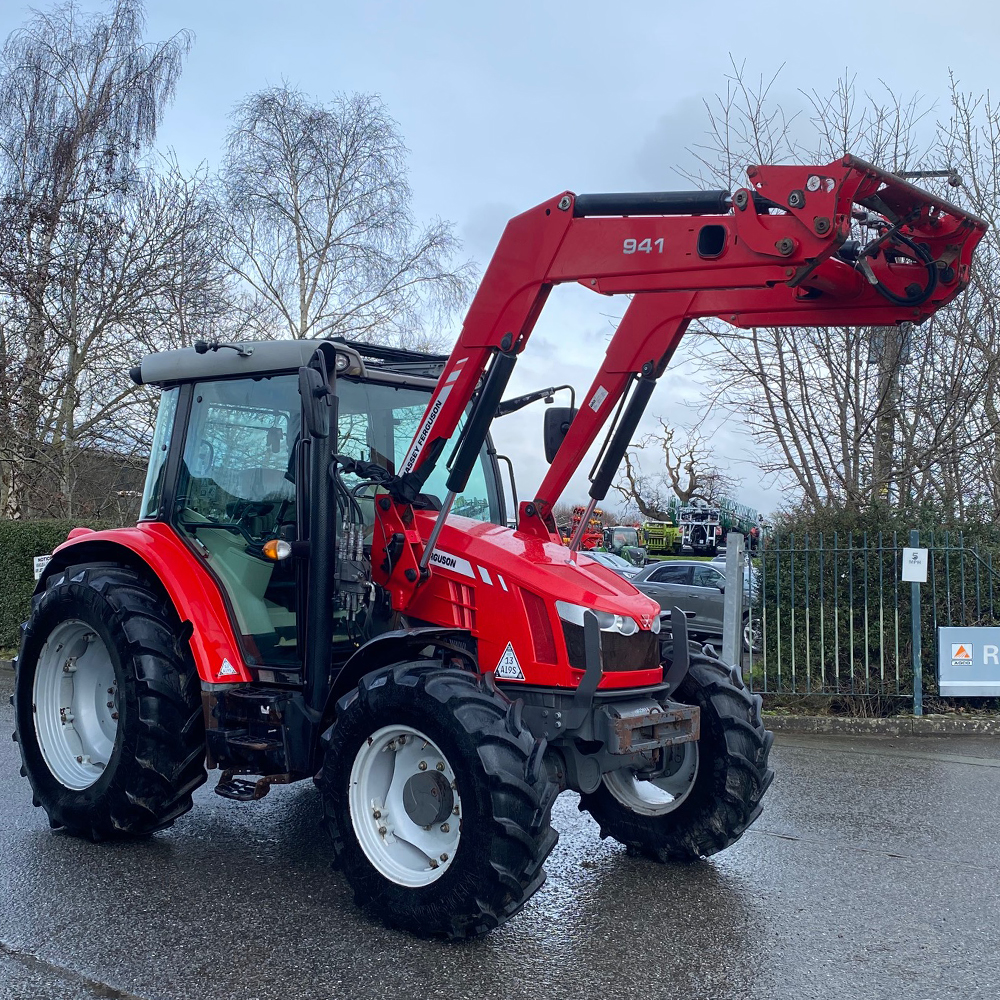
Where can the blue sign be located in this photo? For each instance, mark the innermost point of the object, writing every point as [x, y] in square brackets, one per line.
[969, 662]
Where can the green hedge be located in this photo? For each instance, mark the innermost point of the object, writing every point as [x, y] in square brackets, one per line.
[20, 542]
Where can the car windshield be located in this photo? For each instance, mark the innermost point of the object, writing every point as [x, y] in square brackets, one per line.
[610, 559]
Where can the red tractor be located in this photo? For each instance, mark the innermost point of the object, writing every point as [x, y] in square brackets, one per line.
[322, 583]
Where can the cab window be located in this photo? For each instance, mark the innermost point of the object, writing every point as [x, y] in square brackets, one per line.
[236, 490]
[377, 423]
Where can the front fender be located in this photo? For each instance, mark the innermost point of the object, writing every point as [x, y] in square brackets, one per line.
[391, 647]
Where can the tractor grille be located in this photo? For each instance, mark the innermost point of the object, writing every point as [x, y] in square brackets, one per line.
[640, 651]
[463, 599]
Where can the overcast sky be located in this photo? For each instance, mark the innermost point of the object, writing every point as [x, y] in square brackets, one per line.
[503, 105]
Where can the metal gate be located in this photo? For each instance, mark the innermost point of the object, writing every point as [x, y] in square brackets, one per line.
[831, 615]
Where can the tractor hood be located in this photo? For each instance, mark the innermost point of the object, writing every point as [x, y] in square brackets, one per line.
[504, 585]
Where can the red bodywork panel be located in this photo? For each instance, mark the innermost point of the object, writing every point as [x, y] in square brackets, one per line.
[480, 574]
[193, 590]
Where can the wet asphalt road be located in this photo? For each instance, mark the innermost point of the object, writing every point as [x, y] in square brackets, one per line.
[872, 873]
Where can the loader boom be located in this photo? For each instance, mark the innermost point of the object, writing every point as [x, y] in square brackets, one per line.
[776, 253]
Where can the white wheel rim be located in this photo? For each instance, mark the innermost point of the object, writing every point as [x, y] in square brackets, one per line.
[661, 795]
[75, 697]
[398, 778]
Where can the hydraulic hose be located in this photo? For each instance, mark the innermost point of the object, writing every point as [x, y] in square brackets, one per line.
[922, 254]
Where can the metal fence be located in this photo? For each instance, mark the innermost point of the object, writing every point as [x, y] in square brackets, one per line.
[831, 616]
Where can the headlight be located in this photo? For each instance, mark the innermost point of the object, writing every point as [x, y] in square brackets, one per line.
[607, 621]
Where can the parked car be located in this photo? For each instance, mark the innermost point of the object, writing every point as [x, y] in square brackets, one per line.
[698, 589]
[621, 566]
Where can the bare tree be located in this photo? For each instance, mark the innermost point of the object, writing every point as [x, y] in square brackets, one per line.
[320, 227]
[857, 415]
[101, 257]
[685, 471]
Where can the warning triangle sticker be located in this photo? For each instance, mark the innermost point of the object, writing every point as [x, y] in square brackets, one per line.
[227, 669]
[508, 669]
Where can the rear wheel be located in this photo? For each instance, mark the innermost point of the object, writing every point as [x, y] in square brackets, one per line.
[107, 708]
[752, 636]
[711, 790]
[436, 803]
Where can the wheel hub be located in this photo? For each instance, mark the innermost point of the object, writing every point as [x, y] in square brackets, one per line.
[427, 798]
[662, 794]
[75, 696]
[405, 806]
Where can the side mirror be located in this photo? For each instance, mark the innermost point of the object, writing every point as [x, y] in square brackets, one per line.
[315, 395]
[556, 427]
[722, 588]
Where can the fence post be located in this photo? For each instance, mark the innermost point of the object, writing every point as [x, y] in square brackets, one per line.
[918, 688]
[732, 607]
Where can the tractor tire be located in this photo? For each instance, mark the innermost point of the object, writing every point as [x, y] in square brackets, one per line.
[107, 705]
[715, 790]
[436, 800]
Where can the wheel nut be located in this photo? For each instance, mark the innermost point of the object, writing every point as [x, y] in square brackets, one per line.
[114, 715]
[444, 857]
[445, 828]
[377, 813]
[79, 760]
[440, 765]
[455, 811]
[111, 690]
[381, 830]
[111, 704]
[422, 765]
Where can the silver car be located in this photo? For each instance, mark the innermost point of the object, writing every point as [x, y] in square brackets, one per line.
[621, 566]
[697, 588]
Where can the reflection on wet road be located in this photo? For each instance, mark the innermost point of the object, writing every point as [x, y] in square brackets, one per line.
[872, 873]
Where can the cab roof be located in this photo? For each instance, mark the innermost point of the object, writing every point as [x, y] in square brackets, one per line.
[206, 361]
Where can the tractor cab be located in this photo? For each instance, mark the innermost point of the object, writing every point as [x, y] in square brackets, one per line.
[230, 472]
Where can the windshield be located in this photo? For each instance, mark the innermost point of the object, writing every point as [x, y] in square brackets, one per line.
[377, 422]
[610, 559]
[626, 536]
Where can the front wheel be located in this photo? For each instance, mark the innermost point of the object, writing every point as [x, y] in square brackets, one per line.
[437, 806]
[710, 791]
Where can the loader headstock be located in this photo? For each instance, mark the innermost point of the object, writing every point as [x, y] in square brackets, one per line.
[912, 248]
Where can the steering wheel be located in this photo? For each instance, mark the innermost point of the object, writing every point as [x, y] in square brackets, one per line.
[242, 509]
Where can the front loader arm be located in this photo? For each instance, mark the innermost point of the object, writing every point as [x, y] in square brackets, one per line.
[776, 253]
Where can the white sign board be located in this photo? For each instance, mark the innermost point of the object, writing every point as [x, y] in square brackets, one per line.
[969, 662]
[915, 565]
[40, 563]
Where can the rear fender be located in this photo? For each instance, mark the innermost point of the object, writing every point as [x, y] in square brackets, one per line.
[153, 548]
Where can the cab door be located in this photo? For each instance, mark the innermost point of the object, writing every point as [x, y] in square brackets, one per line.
[237, 490]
